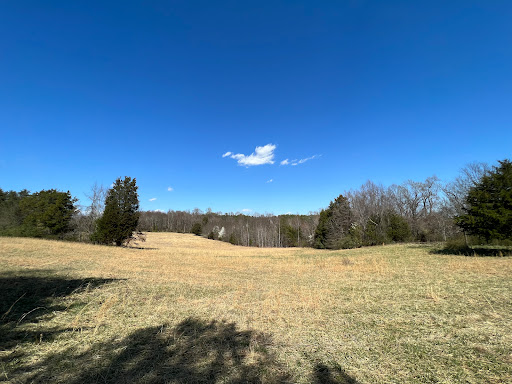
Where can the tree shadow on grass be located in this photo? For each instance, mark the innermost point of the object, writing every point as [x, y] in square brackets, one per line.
[29, 298]
[485, 251]
[322, 374]
[194, 351]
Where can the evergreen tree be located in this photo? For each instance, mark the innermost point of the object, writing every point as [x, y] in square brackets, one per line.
[46, 213]
[10, 212]
[197, 229]
[334, 225]
[321, 235]
[121, 215]
[398, 229]
[233, 239]
[489, 205]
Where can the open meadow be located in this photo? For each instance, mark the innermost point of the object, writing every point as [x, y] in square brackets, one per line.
[184, 309]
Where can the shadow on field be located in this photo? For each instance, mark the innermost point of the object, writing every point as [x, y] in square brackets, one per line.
[194, 351]
[474, 251]
[322, 374]
[30, 298]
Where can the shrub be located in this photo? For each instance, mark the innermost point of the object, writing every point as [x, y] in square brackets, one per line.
[197, 229]
[398, 229]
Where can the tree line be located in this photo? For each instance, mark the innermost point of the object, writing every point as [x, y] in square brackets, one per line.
[111, 219]
[370, 215]
[236, 228]
[422, 211]
[477, 203]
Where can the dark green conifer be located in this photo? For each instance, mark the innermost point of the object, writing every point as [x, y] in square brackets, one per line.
[489, 205]
[121, 215]
[398, 229]
[334, 224]
[197, 229]
[47, 213]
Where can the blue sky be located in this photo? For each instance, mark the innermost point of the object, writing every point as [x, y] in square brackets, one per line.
[160, 91]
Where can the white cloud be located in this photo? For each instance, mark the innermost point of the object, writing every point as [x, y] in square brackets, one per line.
[269, 181]
[302, 161]
[158, 210]
[170, 189]
[246, 210]
[152, 199]
[298, 161]
[260, 156]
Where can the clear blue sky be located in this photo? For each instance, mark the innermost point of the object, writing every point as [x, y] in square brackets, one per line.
[160, 91]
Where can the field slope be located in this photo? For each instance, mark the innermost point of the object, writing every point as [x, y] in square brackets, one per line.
[183, 309]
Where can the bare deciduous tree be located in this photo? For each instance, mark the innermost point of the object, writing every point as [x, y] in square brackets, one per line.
[457, 190]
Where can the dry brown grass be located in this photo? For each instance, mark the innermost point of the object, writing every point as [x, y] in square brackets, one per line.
[395, 313]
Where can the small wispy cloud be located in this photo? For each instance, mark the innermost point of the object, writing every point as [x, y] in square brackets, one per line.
[246, 210]
[261, 155]
[152, 199]
[302, 161]
[170, 189]
[296, 162]
[270, 181]
[158, 210]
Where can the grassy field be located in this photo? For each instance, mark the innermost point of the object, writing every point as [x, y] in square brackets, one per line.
[189, 310]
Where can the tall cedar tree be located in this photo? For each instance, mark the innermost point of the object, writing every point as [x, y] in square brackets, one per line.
[334, 224]
[489, 205]
[321, 229]
[121, 215]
